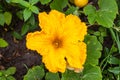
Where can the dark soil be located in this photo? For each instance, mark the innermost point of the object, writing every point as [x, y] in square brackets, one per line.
[17, 55]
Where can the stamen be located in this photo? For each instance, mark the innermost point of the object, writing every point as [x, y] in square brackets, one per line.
[57, 43]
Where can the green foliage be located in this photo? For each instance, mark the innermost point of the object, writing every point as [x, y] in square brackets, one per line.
[92, 73]
[7, 74]
[32, 2]
[115, 70]
[5, 18]
[52, 76]
[34, 9]
[26, 14]
[8, 17]
[105, 15]
[2, 19]
[3, 43]
[29, 7]
[71, 75]
[93, 50]
[45, 1]
[25, 29]
[72, 9]
[58, 4]
[16, 35]
[36, 73]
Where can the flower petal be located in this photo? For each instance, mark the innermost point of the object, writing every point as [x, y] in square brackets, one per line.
[38, 41]
[74, 29]
[51, 22]
[55, 61]
[76, 55]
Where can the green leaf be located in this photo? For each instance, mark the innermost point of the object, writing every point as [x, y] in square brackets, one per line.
[108, 5]
[93, 50]
[15, 1]
[44, 1]
[71, 10]
[91, 73]
[10, 78]
[10, 71]
[115, 70]
[34, 9]
[105, 15]
[2, 19]
[24, 3]
[113, 60]
[25, 29]
[3, 78]
[3, 43]
[31, 21]
[89, 9]
[91, 12]
[97, 33]
[32, 2]
[7, 17]
[36, 73]
[26, 14]
[33, 27]
[71, 75]
[105, 18]
[16, 35]
[20, 15]
[52, 76]
[58, 4]
[1, 73]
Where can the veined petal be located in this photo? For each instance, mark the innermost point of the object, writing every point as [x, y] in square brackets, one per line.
[55, 61]
[51, 23]
[76, 55]
[38, 41]
[74, 29]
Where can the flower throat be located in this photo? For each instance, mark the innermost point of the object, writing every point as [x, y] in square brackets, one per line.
[57, 43]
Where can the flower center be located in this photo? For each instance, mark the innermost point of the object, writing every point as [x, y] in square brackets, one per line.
[57, 43]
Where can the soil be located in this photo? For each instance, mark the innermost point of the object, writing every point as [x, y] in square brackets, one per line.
[17, 55]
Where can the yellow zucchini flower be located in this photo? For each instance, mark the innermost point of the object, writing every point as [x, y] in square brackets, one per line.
[60, 42]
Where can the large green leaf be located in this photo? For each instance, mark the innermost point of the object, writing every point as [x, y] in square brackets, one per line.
[91, 73]
[36, 73]
[105, 15]
[93, 50]
[3, 43]
[52, 76]
[71, 75]
[91, 12]
[58, 4]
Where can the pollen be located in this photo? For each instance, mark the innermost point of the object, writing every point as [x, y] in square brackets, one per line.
[57, 43]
